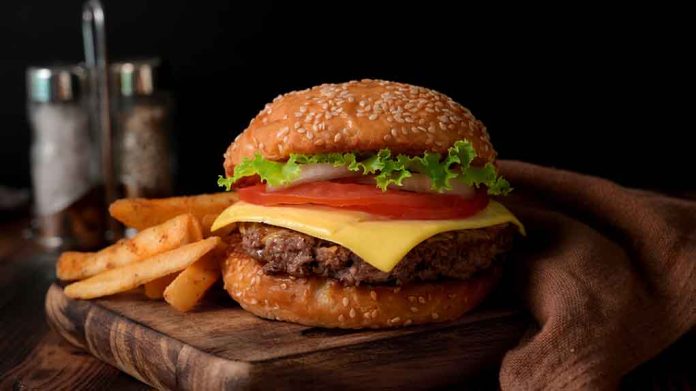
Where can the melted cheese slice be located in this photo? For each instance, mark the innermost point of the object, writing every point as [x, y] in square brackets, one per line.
[380, 242]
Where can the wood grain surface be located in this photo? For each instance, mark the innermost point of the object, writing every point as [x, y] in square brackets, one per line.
[222, 346]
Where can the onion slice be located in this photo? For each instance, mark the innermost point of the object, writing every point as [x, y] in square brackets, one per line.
[420, 183]
[315, 173]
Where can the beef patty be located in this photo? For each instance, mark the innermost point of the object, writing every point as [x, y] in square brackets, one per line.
[454, 254]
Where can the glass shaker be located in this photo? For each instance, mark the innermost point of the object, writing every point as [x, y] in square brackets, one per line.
[68, 206]
[143, 149]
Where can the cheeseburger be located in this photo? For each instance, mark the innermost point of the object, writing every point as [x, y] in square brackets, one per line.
[365, 204]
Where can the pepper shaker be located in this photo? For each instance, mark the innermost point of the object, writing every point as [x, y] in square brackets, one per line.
[144, 156]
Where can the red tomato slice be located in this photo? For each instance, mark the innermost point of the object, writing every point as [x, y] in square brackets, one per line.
[367, 198]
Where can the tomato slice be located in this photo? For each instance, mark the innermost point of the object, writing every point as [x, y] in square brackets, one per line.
[367, 198]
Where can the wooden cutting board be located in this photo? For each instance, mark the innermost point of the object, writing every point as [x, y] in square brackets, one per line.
[220, 346]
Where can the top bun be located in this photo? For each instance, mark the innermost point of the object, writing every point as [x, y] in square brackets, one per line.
[359, 116]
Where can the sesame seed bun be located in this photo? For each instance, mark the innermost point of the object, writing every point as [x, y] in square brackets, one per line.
[327, 303]
[359, 116]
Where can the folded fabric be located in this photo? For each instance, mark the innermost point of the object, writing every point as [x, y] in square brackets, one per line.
[607, 272]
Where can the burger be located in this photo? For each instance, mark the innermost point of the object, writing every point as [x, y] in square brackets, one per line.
[365, 204]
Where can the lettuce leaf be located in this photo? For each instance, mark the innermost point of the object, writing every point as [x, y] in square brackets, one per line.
[387, 170]
[274, 173]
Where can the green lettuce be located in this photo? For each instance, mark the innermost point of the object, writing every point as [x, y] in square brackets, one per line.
[387, 169]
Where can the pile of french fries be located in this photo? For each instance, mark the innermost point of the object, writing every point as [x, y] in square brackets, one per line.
[173, 256]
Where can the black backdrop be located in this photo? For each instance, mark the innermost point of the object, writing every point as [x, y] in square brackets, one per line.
[603, 91]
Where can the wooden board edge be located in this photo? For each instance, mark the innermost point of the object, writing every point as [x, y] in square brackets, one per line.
[448, 357]
[151, 357]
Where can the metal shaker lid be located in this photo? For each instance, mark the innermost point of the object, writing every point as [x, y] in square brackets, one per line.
[135, 77]
[55, 84]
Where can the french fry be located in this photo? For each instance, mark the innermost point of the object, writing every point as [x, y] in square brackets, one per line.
[171, 234]
[132, 275]
[141, 213]
[70, 263]
[155, 288]
[190, 285]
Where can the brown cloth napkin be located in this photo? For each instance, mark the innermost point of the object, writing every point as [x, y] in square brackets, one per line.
[607, 272]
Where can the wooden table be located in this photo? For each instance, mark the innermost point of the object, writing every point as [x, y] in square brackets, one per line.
[32, 356]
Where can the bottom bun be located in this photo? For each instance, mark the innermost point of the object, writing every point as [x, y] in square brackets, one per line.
[327, 303]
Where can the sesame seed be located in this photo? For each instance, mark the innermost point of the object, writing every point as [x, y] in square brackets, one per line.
[366, 315]
[352, 313]
[397, 289]
[412, 299]
[435, 315]
[414, 309]
[408, 322]
[394, 132]
[337, 137]
[341, 318]
[301, 130]
[394, 320]
[387, 137]
[373, 295]
[421, 299]
[283, 131]
[309, 135]
[373, 314]
[283, 286]
[372, 117]
[345, 302]
[253, 301]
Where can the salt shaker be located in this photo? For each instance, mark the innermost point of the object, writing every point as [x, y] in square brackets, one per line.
[64, 160]
[143, 152]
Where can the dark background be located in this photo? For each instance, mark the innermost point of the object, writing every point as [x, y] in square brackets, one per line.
[598, 90]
